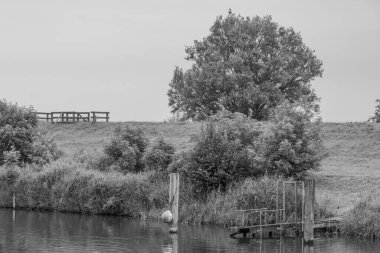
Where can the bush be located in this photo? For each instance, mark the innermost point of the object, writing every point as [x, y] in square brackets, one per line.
[126, 149]
[159, 156]
[292, 143]
[221, 153]
[21, 140]
[231, 147]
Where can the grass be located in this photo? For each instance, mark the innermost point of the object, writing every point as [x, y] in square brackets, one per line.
[72, 138]
[69, 187]
[354, 148]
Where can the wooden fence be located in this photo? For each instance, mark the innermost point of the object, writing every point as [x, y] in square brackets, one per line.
[72, 117]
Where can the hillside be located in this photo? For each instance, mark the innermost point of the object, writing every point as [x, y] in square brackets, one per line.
[354, 148]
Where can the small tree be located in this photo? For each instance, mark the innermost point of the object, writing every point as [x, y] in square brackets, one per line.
[159, 156]
[376, 117]
[126, 149]
[21, 138]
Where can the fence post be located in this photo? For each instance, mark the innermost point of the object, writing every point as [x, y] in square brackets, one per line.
[173, 201]
[308, 234]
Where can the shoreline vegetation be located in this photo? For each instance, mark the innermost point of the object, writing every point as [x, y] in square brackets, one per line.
[66, 186]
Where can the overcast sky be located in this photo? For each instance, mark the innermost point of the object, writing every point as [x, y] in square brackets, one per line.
[119, 56]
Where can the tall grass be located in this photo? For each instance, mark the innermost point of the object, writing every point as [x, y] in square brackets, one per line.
[364, 219]
[71, 187]
[66, 186]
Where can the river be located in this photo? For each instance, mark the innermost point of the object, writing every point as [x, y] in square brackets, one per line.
[32, 231]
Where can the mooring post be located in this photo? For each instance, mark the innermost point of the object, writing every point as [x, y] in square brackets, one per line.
[308, 233]
[13, 201]
[173, 201]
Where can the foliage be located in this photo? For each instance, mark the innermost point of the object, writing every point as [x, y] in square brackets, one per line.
[293, 142]
[247, 65]
[220, 155]
[21, 139]
[231, 147]
[376, 117]
[126, 149]
[159, 156]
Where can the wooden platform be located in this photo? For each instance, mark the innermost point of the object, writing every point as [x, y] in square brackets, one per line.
[281, 229]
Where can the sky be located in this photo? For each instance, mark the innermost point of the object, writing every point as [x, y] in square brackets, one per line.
[119, 56]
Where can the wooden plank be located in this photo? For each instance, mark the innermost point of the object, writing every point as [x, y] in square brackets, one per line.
[174, 200]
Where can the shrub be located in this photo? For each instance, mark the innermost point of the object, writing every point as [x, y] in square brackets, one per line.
[21, 140]
[126, 149]
[221, 153]
[159, 156]
[376, 117]
[292, 143]
[231, 147]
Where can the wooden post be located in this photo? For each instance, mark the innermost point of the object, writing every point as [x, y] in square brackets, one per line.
[173, 201]
[308, 234]
[277, 205]
[107, 117]
[283, 202]
[13, 201]
[295, 205]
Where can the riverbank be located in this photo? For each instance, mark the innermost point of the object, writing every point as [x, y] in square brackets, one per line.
[70, 185]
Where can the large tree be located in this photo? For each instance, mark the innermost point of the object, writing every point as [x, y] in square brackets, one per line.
[246, 65]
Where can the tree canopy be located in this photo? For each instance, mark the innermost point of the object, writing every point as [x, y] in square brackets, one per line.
[21, 140]
[247, 65]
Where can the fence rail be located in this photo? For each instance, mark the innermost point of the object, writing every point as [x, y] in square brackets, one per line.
[72, 116]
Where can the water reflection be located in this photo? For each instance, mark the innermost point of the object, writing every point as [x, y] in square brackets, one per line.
[170, 245]
[23, 231]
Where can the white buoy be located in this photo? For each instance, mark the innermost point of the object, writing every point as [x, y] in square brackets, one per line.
[167, 216]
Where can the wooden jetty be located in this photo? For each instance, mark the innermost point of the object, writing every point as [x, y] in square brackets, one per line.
[288, 219]
[73, 116]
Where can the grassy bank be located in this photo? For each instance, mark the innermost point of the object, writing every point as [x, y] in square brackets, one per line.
[69, 187]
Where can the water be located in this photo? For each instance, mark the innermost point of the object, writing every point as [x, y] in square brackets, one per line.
[30, 231]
